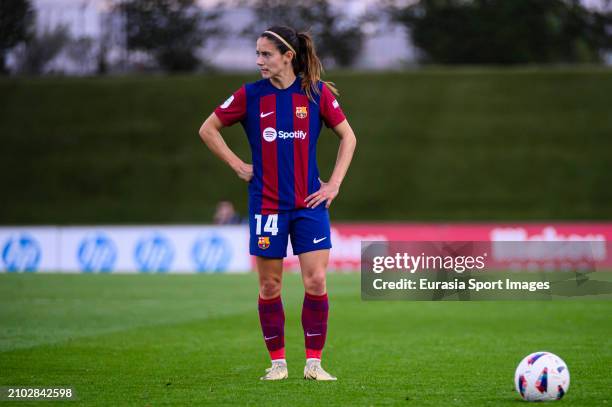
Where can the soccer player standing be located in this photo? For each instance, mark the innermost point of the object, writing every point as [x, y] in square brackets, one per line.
[282, 115]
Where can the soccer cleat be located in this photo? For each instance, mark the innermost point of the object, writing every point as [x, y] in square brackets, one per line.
[314, 371]
[278, 371]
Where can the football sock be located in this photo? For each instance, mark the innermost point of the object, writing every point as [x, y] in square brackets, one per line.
[272, 319]
[314, 321]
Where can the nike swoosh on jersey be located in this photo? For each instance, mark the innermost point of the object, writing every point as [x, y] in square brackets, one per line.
[315, 241]
[262, 114]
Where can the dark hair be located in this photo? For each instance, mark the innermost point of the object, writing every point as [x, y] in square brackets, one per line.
[306, 62]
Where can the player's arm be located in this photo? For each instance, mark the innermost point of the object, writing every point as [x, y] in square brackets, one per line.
[210, 133]
[329, 190]
[348, 142]
[334, 118]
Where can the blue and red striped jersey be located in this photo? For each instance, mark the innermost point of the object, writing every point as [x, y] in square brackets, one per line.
[283, 128]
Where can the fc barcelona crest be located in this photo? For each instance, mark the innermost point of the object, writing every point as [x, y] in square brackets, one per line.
[301, 112]
[264, 242]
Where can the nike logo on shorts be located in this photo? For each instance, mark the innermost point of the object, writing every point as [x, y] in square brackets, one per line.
[309, 334]
[262, 114]
[315, 240]
[266, 338]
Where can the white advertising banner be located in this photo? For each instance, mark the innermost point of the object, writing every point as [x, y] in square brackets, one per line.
[176, 249]
[29, 248]
[192, 248]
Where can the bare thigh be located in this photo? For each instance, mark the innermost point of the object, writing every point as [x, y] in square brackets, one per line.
[270, 273]
[314, 269]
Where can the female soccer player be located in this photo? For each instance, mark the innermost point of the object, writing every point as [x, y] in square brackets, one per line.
[282, 116]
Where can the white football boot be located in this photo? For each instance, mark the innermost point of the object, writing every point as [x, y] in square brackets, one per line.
[278, 371]
[314, 371]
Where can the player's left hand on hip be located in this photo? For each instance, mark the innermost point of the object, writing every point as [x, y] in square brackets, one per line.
[326, 193]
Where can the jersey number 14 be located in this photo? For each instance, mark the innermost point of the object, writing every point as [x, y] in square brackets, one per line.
[271, 225]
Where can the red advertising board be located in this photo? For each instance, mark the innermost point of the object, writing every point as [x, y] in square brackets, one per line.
[347, 237]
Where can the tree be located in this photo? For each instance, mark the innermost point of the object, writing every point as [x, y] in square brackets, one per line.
[82, 52]
[506, 32]
[338, 39]
[40, 49]
[170, 30]
[16, 17]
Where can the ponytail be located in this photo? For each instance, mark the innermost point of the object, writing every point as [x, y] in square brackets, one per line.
[306, 62]
[309, 65]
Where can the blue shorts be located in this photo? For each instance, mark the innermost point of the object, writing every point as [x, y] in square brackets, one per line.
[309, 230]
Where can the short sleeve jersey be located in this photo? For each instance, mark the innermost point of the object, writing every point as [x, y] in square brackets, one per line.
[283, 127]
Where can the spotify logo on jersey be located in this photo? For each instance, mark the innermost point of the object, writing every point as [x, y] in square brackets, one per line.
[269, 134]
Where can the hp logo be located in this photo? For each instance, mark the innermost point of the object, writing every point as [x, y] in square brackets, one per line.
[154, 253]
[211, 253]
[21, 253]
[97, 252]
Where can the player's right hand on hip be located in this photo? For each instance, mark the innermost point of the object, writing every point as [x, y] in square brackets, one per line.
[245, 172]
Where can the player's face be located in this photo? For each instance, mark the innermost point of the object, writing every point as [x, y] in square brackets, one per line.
[269, 59]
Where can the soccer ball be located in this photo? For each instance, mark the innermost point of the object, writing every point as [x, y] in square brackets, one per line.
[542, 376]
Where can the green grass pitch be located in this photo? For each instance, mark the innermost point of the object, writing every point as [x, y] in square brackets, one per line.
[195, 339]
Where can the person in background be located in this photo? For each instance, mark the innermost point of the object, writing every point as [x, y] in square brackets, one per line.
[225, 214]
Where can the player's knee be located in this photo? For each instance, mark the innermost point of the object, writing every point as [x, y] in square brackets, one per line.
[315, 283]
[270, 288]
